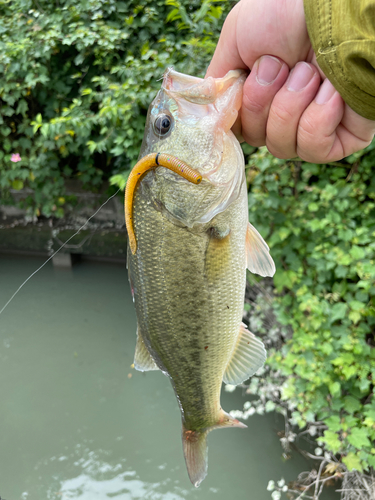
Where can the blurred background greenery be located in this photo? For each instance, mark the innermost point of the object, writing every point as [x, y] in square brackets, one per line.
[76, 81]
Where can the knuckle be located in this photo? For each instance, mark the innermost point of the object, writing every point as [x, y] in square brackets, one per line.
[311, 146]
[281, 115]
[252, 106]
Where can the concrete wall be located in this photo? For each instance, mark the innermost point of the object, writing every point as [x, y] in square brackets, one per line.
[103, 237]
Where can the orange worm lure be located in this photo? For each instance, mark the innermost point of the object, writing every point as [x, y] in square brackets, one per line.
[144, 165]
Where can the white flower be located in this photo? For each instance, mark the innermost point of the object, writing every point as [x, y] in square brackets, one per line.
[250, 412]
[318, 451]
[247, 405]
[284, 488]
[276, 495]
[270, 406]
[230, 388]
[271, 485]
[281, 482]
[260, 410]
[236, 414]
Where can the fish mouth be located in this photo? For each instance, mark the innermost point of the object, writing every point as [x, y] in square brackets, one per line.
[145, 164]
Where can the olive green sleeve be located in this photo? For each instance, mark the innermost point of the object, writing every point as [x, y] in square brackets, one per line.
[342, 33]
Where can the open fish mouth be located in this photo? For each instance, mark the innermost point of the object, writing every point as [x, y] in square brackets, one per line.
[145, 164]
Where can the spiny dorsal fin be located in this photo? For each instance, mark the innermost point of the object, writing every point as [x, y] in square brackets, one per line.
[258, 258]
[248, 356]
[143, 360]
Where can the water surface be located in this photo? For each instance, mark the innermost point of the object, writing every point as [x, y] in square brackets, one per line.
[77, 422]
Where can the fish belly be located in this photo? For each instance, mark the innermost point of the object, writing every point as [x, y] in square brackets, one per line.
[188, 291]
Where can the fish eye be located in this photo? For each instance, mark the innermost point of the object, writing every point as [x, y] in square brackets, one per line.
[162, 124]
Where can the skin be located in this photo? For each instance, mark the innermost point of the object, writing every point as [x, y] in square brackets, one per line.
[299, 113]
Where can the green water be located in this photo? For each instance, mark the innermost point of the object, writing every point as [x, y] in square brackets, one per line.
[77, 422]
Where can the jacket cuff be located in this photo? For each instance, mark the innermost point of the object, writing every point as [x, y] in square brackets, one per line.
[343, 39]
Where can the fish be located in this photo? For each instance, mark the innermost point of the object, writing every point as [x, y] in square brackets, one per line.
[190, 243]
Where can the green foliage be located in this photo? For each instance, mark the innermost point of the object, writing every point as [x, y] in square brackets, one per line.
[77, 78]
[319, 221]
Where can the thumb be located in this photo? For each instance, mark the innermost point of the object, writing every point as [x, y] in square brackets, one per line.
[226, 56]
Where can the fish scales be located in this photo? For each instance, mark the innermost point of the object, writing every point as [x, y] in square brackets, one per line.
[189, 245]
[182, 312]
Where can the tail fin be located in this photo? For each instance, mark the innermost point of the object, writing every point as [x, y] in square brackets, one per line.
[195, 447]
[195, 451]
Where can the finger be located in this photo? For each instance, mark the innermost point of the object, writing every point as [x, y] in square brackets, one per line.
[237, 129]
[361, 129]
[287, 108]
[329, 129]
[266, 78]
[226, 56]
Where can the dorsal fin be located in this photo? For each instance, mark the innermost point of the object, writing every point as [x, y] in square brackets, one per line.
[248, 356]
[258, 258]
[143, 361]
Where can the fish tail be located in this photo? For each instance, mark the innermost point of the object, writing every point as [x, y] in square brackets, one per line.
[195, 447]
[195, 450]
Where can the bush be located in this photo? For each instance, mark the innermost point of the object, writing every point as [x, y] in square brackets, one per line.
[319, 221]
[77, 79]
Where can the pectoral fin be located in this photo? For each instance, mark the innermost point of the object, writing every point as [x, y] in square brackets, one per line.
[143, 360]
[249, 355]
[258, 258]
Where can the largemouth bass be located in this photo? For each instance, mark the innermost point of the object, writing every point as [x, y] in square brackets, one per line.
[189, 245]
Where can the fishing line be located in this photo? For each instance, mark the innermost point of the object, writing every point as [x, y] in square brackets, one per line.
[57, 251]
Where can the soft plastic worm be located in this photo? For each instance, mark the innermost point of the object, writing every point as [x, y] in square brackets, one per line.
[144, 165]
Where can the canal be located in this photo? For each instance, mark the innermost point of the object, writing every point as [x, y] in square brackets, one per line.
[78, 422]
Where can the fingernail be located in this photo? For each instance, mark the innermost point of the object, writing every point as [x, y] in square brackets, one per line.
[268, 69]
[300, 77]
[325, 93]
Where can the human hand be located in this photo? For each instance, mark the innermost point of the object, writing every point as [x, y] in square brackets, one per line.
[288, 103]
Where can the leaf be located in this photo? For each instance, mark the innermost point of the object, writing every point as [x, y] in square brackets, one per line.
[313, 207]
[370, 411]
[17, 184]
[119, 180]
[352, 461]
[335, 388]
[331, 468]
[359, 438]
[284, 279]
[355, 305]
[338, 311]
[332, 441]
[333, 423]
[352, 404]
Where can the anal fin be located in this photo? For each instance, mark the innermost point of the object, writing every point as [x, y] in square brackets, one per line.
[143, 361]
[248, 356]
[258, 258]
